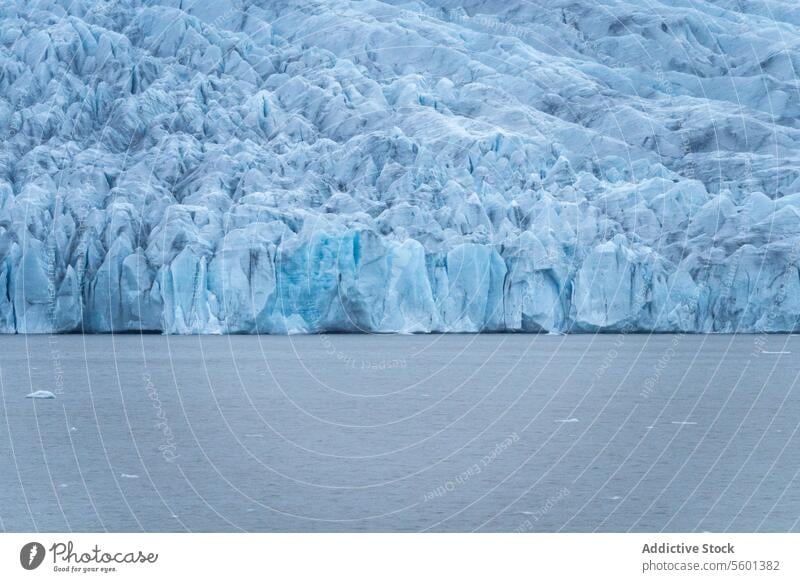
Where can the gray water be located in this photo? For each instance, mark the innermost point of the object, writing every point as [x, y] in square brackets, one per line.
[391, 433]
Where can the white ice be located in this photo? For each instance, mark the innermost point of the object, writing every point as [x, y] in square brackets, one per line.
[43, 394]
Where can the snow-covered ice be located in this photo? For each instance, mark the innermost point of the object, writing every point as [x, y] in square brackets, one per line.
[302, 166]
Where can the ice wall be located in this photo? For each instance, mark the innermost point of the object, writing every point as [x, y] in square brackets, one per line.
[294, 166]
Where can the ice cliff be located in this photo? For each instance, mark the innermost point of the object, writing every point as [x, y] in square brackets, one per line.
[300, 166]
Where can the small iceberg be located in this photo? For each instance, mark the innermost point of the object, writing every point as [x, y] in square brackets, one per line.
[44, 394]
[568, 420]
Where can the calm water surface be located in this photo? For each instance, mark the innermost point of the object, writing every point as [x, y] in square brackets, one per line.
[391, 433]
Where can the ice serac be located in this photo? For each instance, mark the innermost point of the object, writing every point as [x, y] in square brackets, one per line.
[298, 166]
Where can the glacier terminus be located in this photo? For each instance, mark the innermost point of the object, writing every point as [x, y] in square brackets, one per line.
[279, 167]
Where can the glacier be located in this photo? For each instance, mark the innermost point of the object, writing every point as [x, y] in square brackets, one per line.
[272, 166]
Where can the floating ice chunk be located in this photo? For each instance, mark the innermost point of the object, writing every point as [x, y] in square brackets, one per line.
[42, 394]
